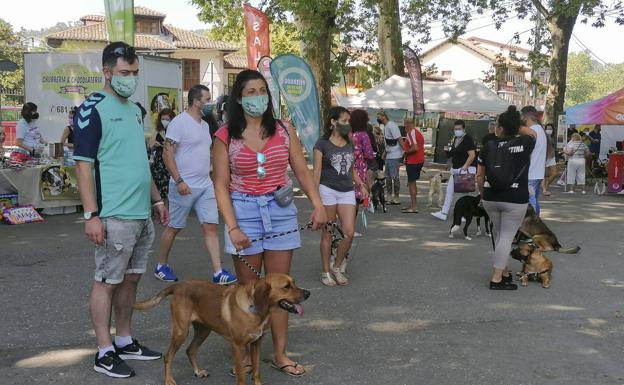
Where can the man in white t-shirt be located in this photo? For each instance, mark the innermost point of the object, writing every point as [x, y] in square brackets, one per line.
[187, 158]
[394, 154]
[538, 156]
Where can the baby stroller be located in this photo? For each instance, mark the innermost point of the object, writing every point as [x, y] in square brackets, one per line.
[597, 175]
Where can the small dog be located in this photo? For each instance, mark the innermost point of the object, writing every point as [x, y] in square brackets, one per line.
[239, 313]
[378, 191]
[435, 188]
[535, 265]
[468, 207]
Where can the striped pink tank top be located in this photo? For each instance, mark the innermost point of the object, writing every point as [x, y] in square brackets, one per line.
[244, 163]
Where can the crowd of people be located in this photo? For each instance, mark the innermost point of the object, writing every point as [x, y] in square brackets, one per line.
[239, 171]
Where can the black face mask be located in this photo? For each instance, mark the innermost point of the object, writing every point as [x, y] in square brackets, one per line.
[379, 121]
[34, 116]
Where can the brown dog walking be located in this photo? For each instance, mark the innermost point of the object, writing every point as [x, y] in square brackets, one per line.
[239, 313]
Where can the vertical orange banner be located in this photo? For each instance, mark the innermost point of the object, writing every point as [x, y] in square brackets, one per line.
[257, 29]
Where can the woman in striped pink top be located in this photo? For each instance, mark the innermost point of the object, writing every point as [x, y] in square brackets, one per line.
[251, 158]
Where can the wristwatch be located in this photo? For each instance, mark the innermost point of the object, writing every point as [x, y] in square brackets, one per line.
[89, 214]
[177, 182]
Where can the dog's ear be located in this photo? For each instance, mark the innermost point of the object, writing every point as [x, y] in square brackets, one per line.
[262, 289]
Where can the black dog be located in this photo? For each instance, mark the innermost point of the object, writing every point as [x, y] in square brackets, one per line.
[378, 192]
[468, 207]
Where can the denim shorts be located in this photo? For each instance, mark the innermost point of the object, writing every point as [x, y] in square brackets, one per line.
[392, 167]
[201, 200]
[127, 243]
[259, 216]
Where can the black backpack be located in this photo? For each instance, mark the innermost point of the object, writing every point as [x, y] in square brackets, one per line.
[500, 164]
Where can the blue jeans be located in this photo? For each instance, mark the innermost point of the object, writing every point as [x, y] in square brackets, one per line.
[535, 188]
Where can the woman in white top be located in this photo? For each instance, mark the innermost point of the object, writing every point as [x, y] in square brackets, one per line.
[29, 139]
[576, 150]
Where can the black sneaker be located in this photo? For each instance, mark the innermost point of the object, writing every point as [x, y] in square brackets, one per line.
[113, 366]
[503, 285]
[136, 351]
[508, 278]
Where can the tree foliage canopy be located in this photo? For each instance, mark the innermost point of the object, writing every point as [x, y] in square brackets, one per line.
[11, 49]
[589, 80]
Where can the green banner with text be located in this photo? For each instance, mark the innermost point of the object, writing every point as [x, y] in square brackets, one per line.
[120, 20]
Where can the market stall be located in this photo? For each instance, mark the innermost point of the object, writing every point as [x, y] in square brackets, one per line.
[47, 186]
[608, 112]
[445, 102]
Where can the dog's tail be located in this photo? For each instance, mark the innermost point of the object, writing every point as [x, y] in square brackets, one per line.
[155, 300]
[568, 250]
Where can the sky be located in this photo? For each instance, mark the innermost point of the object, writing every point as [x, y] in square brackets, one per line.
[33, 14]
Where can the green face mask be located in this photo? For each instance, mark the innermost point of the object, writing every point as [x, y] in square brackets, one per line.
[124, 86]
[255, 105]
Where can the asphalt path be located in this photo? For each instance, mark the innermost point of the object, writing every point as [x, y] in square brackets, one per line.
[417, 311]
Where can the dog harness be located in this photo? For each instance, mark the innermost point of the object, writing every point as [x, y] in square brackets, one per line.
[531, 276]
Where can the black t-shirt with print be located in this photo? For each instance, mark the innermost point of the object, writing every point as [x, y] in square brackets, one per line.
[459, 150]
[521, 152]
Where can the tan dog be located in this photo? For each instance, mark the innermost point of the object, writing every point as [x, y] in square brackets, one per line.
[239, 313]
[535, 265]
[435, 187]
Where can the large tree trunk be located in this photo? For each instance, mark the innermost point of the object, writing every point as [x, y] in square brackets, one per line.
[317, 49]
[389, 38]
[560, 28]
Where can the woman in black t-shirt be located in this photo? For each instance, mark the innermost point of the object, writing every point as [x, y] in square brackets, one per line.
[462, 151]
[506, 206]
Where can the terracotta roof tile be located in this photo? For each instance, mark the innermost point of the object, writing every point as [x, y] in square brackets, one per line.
[144, 41]
[188, 39]
[175, 38]
[144, 11]
[235, 60]
[92, 18]
[93, 32]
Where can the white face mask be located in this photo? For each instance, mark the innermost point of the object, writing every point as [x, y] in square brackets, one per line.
[549, 132]
[165, 123]
[459, 133]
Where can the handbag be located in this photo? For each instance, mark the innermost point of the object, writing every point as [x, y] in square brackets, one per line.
[284, 196]
[464, 183]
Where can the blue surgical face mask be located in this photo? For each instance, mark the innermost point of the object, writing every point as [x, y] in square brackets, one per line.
[207, 109]
[459, 133]
[255, 106]
[124, 86]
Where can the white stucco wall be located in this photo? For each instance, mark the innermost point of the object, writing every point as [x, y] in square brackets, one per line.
[216, 86]
[464, 63]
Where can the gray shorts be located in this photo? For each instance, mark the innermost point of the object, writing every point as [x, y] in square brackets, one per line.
[127, 243]
[202, 200]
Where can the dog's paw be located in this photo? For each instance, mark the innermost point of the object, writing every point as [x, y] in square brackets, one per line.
[202, 373]
[468, 238]
[170, 381]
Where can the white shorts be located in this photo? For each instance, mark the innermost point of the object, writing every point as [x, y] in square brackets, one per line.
[551, 162]
[331, 197]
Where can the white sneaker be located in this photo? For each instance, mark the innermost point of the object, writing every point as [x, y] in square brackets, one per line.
[357, 235]
[440, 215]
[570, 192]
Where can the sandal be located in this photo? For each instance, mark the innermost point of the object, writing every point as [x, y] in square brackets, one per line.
[408, 210]
[546, 193]
[294, 366]
[327, 280]
[232, 372]
[339, 278]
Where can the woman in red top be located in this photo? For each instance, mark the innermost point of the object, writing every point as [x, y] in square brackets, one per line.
[251, 157]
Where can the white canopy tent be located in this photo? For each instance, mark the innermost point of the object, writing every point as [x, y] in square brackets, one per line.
[396, 93]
